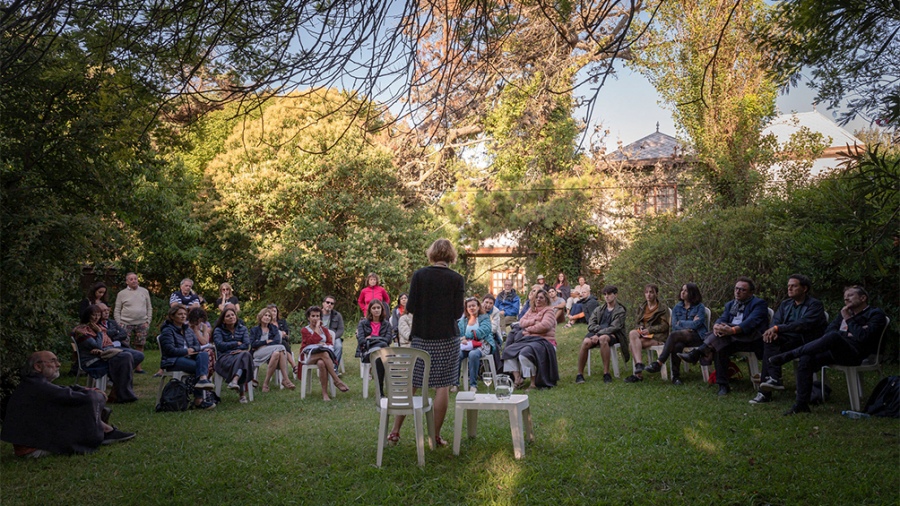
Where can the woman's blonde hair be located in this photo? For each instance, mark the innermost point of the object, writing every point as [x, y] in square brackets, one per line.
[262, 312]
[225, 285]
[441, 250]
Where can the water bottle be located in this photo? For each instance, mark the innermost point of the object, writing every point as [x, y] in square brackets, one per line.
[855, 415]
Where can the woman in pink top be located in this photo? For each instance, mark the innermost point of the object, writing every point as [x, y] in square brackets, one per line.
[371, 292]
[533, 353]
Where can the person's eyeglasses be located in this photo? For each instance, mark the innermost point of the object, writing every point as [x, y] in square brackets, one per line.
[330, 302]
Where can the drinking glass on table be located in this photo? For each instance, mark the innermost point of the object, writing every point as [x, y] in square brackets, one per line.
[488, 378]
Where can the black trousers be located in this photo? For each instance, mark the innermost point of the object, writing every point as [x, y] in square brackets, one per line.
[786, 341]
[723, 355]
[832, 348]
[675, 343]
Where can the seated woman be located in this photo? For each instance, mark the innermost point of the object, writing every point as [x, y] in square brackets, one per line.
[318, 349]
[199, 323]
[181, 351]
[652, 328]
[688, 327]
[533, 353]
[96, 295]
[558, 304]
[477, 340]
[374, 332]
[562, 286]
[397, 313]
[99, 357]
[404, 329]
[285, 330]
[233, 360]
[265, 341]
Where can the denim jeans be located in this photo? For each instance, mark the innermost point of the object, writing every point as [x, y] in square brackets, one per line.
[474, 357]
[338, 352]
[196, 366]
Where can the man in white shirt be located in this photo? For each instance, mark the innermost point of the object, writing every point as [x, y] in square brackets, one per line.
[134, 313]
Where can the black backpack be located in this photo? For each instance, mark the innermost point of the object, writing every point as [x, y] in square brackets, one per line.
[175, 396]
[885, 399]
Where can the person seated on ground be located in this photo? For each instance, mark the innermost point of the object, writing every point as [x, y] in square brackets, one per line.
[558, 304]
[850, 338]
[233, 360]
[398, 311]
[45, 419]
[562, 286]
[739, 328]
[652, 329]
[373, 332]
[688, 325]
[96, 295]
[226, 296]
[798, 320]
[588, 305]
[372, 291]
[100, 357]
[199, 323]
[185, 296]
[181, 351]
[117, 335]
[477, 340]
[508, 304]
[606, 328]
[317, 348]
[533, 353]
[543, 283]
[404, 330]
[265, 342]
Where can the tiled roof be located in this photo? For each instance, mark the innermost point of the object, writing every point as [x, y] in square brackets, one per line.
[651, 148]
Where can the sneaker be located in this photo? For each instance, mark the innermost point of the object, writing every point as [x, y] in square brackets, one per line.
[677, 382]
[234, 386]
[204, 405]
[579, 379]
[116, 436]
[243, 400]
[607, 378]
[797, 408]
[206, 385]
[761, 398]
[653, 367]
[634, 378]
[770, 385]
[724, 390]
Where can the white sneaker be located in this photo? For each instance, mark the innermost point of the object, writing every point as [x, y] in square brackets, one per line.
[761, 398]
[473, 389]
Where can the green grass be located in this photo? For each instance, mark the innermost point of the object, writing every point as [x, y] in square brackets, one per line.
[649, 443]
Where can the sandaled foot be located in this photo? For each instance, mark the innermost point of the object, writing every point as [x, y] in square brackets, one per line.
[439, 441]
[288, 385]
[265, 388]
[393, 438]
[343, 387]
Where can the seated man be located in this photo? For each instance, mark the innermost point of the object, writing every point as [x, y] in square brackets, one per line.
[508, 303]
[798, 320]
[850, 338]
[652, 329]
[606, 327]
[739, 328]
[587, 304]
[186, 295]
[558, 304]
[44, 419]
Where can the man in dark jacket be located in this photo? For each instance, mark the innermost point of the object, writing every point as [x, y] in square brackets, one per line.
[850, 338]
[606, 328]
[798, 320]
[739, 329]
[508, 303]
[44, 419]
[333, 321]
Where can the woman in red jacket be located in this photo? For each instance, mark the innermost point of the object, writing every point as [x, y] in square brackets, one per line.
[371, 292]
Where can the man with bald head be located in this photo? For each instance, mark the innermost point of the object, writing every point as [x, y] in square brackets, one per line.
[44, 419]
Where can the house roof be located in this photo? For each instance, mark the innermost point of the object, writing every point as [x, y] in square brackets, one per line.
[788, 124]
[650, 149]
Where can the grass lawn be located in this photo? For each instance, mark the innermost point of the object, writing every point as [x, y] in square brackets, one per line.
[647, 443]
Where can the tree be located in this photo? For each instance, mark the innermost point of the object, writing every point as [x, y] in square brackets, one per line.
[851, 49]
[700, 58]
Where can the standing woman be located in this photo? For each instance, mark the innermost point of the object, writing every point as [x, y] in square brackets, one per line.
[265, 339]
[436, 296]
[226, 296]
[372, 291]
[96, 295]
[562, 286]
[232, 344]
[397, 313]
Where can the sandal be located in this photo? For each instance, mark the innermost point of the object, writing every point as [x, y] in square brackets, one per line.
[439, 441]
[393, 438]
[265, 388]
[568, 325]
[287, 384]
[343, 387]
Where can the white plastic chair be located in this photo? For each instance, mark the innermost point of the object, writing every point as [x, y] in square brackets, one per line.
[663, 371]
[400, 398]
[464, 370]
[98, 383]
[218, 380]
[613, 359]
[852, 372]
[306, 383]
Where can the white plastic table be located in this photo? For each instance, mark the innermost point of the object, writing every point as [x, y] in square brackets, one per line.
[519, 419]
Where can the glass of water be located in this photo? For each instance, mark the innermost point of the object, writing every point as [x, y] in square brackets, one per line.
[503, 387]
[488, 378]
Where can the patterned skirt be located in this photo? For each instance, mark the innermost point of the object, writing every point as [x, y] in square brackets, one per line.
[444, 361]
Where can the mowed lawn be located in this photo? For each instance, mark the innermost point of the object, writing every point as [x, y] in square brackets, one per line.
[647, 443]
